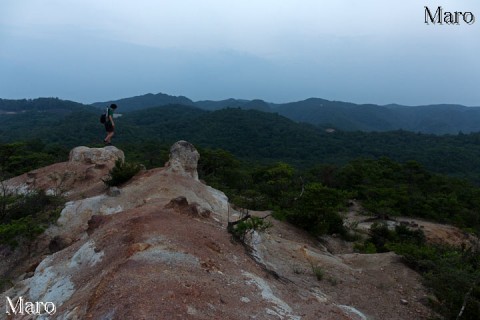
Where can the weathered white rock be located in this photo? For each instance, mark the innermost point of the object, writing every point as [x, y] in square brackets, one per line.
[183, 159]
[51, 283]
[87, 255]
[280, 309]
[74, 217]
[99, 156]
[353, 311]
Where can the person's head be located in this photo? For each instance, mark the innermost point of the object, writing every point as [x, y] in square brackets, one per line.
[113, 106]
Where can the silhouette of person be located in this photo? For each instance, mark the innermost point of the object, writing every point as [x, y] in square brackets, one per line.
[109, 124]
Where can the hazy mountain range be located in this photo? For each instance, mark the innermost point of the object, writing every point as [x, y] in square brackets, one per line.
[249, 134]
[436, 119]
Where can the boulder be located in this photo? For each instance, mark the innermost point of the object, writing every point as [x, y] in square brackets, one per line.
[183, 159]
[97, 156]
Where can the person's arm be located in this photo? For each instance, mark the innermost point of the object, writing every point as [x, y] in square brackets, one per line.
[110, 117]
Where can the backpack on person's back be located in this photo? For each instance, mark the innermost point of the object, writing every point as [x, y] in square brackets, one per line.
[103, 117]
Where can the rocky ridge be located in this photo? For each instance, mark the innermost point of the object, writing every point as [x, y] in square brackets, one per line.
[157, 248]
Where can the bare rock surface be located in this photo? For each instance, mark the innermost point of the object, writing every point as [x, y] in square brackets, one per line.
[79, 177]
[183, 159]
[98, 156]
[158, 249]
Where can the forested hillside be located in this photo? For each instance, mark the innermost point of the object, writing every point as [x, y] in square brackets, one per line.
[248, 134]
[436, 119]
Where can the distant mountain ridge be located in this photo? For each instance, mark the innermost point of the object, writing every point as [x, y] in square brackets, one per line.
[48, 105]
[248, 134]
[146, 101]
[436, 119]
[431, 119]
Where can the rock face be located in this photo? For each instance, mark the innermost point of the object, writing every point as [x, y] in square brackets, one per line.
[159, 249]
[183, 159]
[80, 177]
[99, 156]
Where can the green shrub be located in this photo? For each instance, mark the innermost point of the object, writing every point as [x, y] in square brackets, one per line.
[31, 204]
[380, 235]
[23, 228]
[366, 247]
[250, 223]
[317, 210]
[121, 173]
[404, 234]
[26, 216]
[251, 199]
[318, 272]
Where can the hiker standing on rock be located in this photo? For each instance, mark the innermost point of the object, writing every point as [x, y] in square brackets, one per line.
[109, 124]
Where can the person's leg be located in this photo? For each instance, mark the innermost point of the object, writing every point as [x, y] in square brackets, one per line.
[108, 139]
[110, 132]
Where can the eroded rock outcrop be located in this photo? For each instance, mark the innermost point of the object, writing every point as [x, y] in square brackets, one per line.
[79, 177]
[158, 249]
[183, 159]
[97, 156]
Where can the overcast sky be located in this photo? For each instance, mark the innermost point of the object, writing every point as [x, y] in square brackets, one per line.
[362, 51]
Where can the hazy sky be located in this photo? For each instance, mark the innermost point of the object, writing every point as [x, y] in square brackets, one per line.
[363, 51]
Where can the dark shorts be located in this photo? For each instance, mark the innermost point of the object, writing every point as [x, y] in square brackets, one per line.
[109, 127]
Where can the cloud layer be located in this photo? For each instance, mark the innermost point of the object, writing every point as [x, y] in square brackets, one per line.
[370, 51]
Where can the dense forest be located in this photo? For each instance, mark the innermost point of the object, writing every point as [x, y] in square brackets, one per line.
[250, 134]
